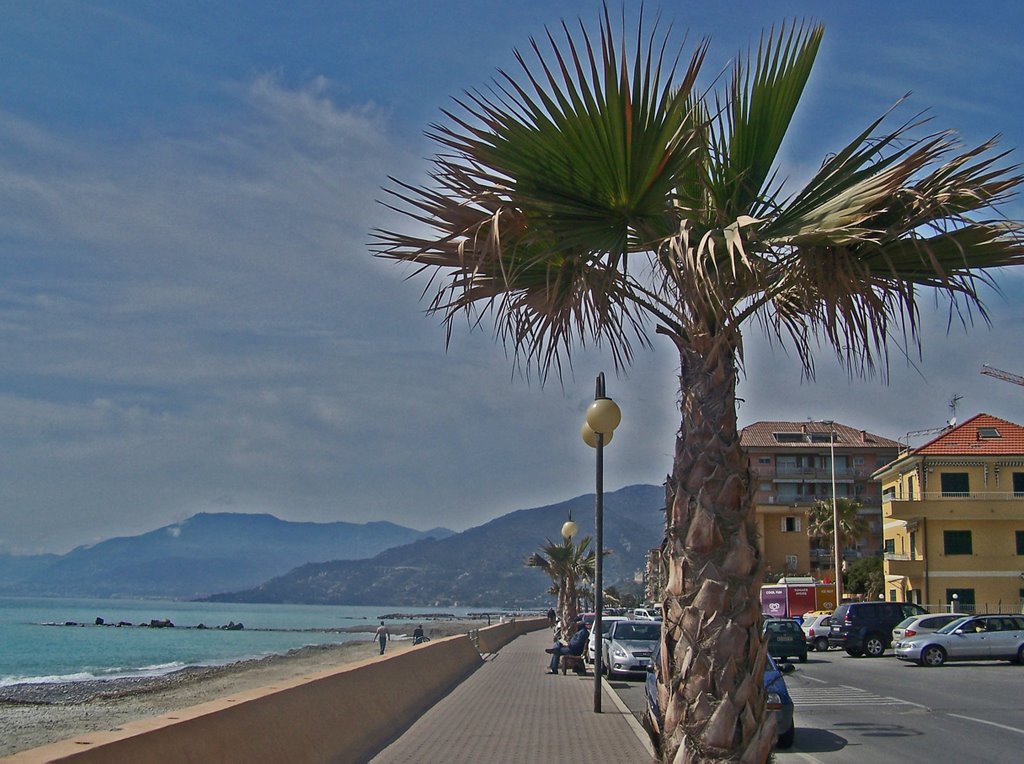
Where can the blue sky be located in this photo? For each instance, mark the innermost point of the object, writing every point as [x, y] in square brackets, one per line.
[190, 318]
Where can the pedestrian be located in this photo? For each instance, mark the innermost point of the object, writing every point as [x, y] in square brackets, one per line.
[417, 635]
[551, 617]
[382, 636]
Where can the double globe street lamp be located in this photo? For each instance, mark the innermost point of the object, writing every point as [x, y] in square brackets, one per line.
[603, 416]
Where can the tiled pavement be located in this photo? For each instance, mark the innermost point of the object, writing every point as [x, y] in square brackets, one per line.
[511, 711]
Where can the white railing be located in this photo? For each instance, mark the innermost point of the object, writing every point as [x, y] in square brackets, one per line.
[957, 496]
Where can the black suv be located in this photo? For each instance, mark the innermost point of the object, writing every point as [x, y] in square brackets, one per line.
[865, 628]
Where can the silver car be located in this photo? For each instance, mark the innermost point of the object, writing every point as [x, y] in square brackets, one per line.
[629, 646]
[606, 625]
[974, 638]
[922, 624]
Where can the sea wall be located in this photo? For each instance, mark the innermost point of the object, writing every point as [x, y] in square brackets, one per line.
[343, 715]
[493, 638]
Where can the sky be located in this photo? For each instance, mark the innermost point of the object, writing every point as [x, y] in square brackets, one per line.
[191, 318]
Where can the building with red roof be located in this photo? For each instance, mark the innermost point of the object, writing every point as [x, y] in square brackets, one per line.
[953, 514]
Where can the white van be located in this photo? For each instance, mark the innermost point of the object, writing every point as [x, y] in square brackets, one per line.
[652, 613]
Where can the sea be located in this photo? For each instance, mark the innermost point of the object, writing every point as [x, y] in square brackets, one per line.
[44, 640]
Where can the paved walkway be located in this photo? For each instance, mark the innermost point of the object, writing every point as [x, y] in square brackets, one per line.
[511, 711]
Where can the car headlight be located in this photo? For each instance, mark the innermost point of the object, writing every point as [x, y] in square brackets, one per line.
[619, 653]
[774, 700]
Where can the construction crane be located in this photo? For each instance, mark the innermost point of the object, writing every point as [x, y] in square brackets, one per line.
[1003, 375]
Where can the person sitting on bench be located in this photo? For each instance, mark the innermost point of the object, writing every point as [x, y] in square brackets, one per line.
[577, 644]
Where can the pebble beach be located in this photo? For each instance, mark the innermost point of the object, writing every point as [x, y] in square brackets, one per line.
[32, 715]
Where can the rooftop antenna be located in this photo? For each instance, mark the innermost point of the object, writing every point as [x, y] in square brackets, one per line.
[952, 407]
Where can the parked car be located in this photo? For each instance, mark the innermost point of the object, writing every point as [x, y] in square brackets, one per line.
[606, 625]
[972, 638]
[647, 614]
[922, 624]
[865, 628]
[780, 704]
[785, 639]
[629, 646]
[816, 630]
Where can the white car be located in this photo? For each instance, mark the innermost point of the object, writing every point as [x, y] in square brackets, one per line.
[629, 646]
[646, 614]
[816, 628]
[974, 638]
[922, 624]
[606, 625]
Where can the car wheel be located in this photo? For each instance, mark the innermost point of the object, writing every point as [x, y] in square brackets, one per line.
[874, 646]
[856, 653]
[787, 737]
[933, 655]
[803, 658]
[821, 644]
[1019, 660]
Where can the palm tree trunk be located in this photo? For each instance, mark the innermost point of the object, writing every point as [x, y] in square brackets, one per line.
[710, 678]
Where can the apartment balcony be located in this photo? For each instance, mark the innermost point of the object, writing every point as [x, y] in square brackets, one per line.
[816, 473]
[975, 505]
[904, 565]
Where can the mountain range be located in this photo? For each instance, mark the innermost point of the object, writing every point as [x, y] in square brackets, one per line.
[207, 553]
[482, 566]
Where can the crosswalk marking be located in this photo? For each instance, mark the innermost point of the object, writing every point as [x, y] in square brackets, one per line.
[806, 697]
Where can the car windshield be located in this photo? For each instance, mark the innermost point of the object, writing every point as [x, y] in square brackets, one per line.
[782, 627]
[906, 622]
[949, 628]
[638, 631]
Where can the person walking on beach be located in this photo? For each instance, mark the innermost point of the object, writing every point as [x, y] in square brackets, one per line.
[382, 636]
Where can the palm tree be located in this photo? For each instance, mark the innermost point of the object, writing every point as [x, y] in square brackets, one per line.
[851, 525]
[568, 565]
[601, 195]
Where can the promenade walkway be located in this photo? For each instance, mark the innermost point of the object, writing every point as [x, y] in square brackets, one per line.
[511, 711]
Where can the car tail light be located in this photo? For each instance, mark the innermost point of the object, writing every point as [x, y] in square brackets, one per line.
[810, 632]
[909, 633]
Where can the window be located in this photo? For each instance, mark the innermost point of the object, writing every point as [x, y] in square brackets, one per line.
[957, 542]
[1018, 484]
[890, 546]
[1020, 542]
[858, 461]
[764, 460]
[789, 437]
[791, 524]
[791, 562]
[987, 433]
[962, 600]
[955, 484]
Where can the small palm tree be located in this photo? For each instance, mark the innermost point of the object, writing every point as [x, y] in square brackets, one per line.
[567, 564]
[820, 522]
[603, 194]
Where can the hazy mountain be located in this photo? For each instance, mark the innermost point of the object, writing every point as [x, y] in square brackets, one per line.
[205, 553]
[483, 566]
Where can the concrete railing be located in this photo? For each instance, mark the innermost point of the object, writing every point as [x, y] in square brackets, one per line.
[342, 715]
[493, 638]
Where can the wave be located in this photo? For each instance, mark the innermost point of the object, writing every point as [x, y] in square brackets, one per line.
[104, 675]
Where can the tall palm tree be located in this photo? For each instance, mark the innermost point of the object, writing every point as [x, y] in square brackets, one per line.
[567, 564]
[600, 194]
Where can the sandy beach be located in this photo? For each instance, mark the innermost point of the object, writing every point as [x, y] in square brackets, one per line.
[36, 714]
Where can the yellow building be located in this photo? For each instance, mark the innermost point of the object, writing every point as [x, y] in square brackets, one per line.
[953, 513]
[792, 467]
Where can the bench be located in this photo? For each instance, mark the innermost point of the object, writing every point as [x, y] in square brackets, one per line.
[576, 661]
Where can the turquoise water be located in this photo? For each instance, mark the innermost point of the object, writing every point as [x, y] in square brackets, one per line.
[35, 646]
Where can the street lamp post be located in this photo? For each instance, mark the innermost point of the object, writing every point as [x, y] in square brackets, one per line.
[603, 416]
[835, 517]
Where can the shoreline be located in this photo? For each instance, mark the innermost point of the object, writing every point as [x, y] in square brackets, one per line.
[32, 715]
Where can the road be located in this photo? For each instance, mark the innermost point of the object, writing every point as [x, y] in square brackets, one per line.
[873, 710]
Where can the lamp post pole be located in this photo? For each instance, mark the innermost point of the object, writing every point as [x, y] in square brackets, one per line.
[603, 416]
[835, 517]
